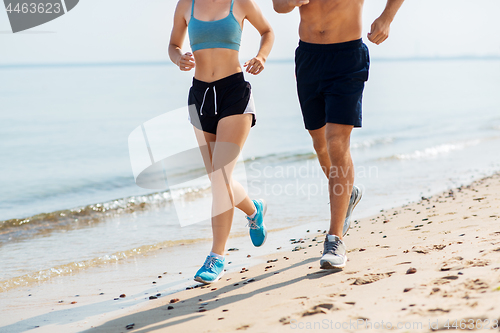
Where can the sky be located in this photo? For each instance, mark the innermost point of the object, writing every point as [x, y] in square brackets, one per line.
[118, 31]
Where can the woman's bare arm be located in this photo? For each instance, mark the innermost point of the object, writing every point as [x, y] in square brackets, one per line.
[184, 61]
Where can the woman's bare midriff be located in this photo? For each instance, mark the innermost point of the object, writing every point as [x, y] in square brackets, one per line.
[215, 64]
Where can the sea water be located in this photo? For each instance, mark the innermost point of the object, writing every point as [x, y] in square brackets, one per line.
[68, 200]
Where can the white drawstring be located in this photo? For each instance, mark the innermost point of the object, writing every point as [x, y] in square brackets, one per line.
[215, 100]
[203, 102]
[201, 109]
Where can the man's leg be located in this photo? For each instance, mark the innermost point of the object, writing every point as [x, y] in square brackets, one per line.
[332, 145]
[341, 177]
[319, 143]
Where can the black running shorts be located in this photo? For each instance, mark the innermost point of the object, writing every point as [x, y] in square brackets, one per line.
[213, 101]
[330, 82]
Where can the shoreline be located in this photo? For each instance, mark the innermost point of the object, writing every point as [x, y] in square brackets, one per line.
[444, 286]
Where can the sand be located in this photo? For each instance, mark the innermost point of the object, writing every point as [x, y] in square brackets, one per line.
[417, 268]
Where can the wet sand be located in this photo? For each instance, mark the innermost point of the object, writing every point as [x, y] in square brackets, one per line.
[415, 268]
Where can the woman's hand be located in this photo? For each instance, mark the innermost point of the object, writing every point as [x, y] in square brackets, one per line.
[255, 66]
[186, 62]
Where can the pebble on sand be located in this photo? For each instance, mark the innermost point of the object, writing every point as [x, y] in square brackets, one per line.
[130, 326]
[170, 307]
[411, 270]
[174, 300]
[123, 295]
[74, 302]
[153, 297]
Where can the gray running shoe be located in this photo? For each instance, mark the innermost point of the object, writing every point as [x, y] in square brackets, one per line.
[333, 253]
[355, 198]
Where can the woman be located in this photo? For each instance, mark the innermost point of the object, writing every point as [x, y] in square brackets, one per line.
[221, 108]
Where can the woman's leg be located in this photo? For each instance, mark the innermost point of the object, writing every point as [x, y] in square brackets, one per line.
[206, 142]
[232, 133]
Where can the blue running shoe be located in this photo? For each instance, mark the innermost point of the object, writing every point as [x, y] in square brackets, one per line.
[211, 271]
[356, 195]
[258, 232]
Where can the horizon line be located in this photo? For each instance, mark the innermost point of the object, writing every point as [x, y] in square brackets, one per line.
[283, 60]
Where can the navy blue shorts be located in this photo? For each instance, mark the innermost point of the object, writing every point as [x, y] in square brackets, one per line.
[330, 82]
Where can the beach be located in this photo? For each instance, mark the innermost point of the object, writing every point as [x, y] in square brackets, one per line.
[75, 226]
[415, 268]
[105, 205]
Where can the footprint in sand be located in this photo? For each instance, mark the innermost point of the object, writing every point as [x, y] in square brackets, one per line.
[476, 284]
[458, 263]
[427, 249]
[370, 278]
[320, 308]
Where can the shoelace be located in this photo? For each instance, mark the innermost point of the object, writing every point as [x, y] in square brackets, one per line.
[210, 262]
[252, 224]
[331, 247]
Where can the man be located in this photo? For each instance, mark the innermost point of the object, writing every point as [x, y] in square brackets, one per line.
[331, 66]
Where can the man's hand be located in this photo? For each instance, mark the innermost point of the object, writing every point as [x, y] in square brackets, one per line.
[255, 66]
[379, 30]
[186, 62]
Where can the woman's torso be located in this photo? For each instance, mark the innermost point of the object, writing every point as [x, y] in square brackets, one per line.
[213, 64]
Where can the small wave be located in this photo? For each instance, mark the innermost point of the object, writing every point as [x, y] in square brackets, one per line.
[79, 266]
[283, 157]
[372, 142]
[97, 212]
[433, 151]
[76, 267]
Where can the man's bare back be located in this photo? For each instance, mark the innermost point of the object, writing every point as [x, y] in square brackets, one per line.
[337, 21]
[330, 21]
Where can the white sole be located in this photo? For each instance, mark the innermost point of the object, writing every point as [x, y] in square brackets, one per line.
[327, 265]
[199, 279]
[350, 211]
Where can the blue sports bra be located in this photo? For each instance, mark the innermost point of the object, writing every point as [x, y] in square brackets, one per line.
[224, 33]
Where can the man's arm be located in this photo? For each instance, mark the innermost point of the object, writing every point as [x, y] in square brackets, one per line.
[382, 25]
[286, 6]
